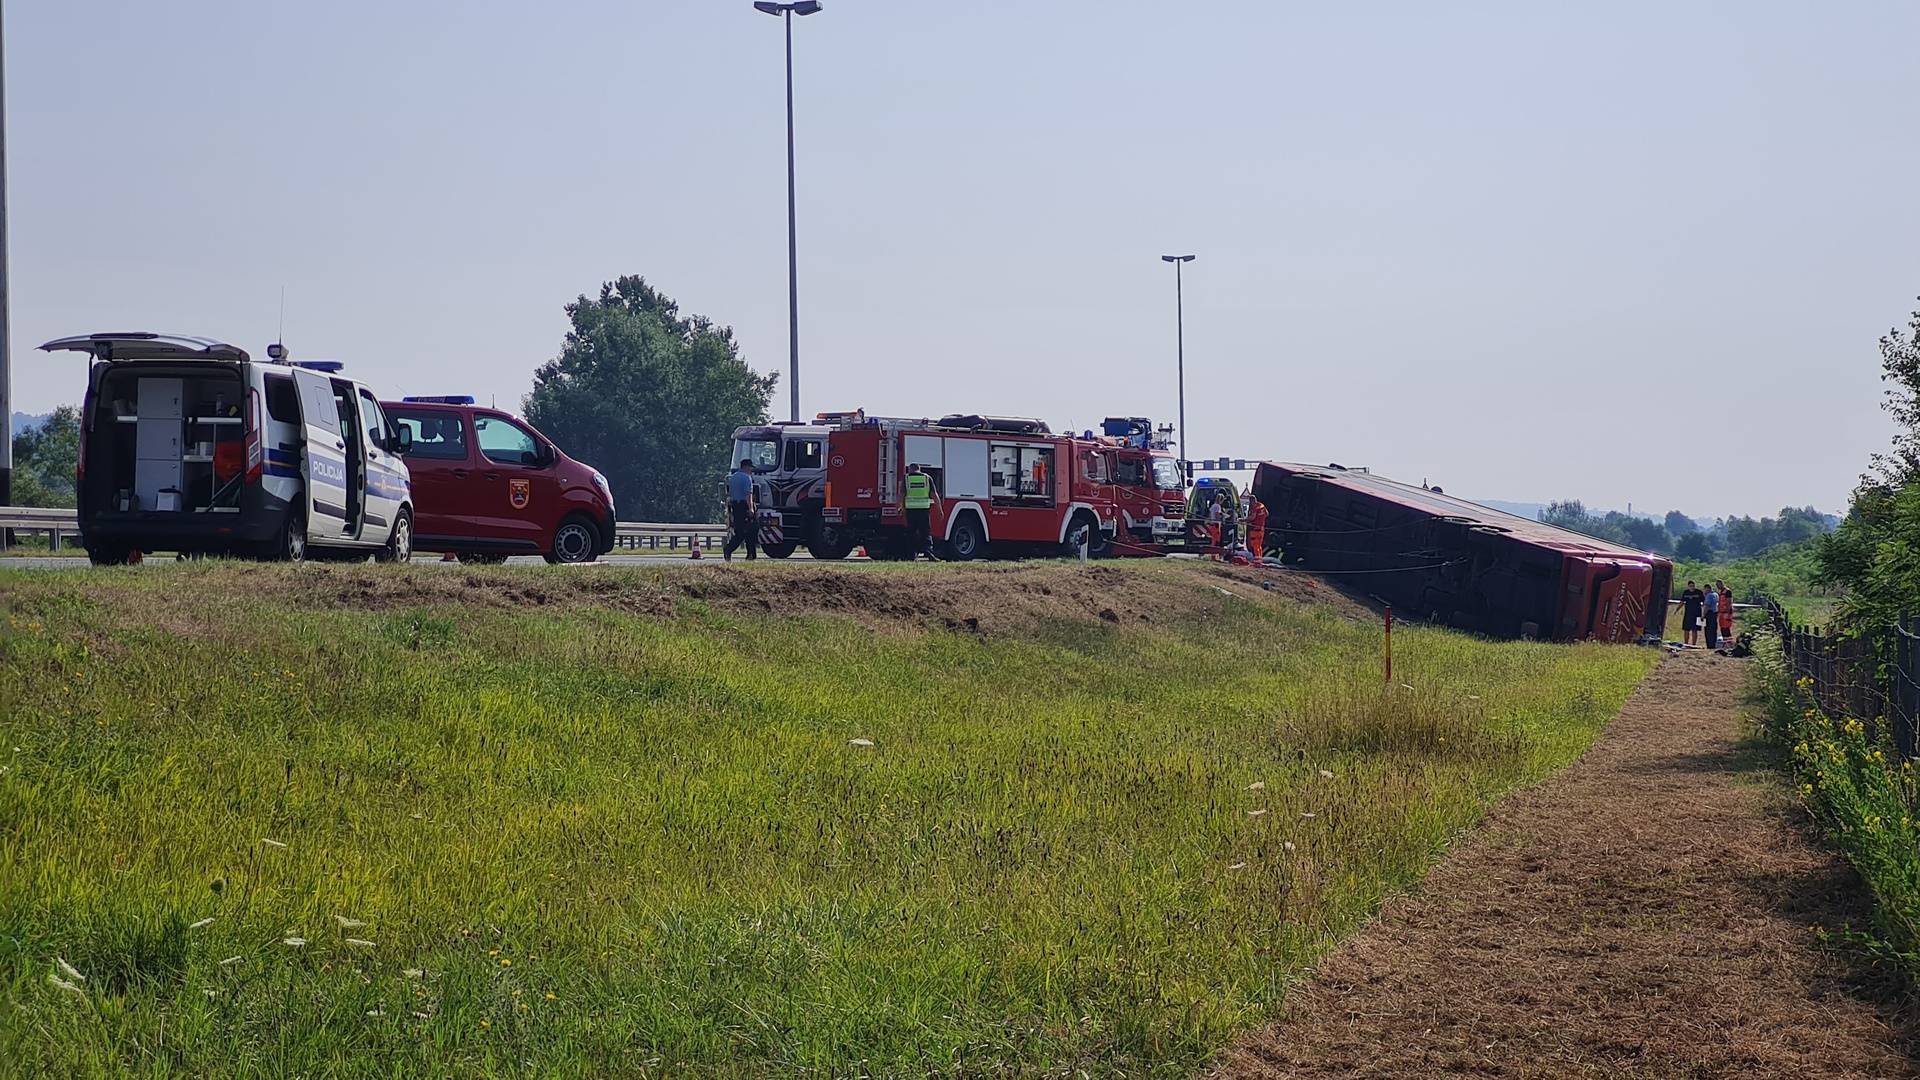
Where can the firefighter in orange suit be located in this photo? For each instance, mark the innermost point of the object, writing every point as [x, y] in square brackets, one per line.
[1256, 527]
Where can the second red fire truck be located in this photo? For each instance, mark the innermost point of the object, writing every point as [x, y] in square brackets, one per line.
[1003, 486]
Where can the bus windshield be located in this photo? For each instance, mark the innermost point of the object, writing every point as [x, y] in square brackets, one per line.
[763, 453]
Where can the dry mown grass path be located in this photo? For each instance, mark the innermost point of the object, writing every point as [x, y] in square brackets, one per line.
[1645, 913]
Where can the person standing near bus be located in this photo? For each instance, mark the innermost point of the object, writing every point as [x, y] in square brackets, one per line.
[1711, 604]
[1692, 601]
[740, 515]
[920, 510]
[1256, 527]
[1726, 612]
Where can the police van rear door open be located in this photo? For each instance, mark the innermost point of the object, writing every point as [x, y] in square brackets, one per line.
[324, 464]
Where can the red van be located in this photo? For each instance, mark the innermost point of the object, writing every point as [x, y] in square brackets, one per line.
[486, 485]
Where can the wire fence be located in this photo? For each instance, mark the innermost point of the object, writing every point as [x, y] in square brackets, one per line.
[1873, 678]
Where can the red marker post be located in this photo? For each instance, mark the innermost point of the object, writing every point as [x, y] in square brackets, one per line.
[1389, 646]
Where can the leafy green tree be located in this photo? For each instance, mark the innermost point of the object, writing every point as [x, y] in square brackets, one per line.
[1643, 533]
[1679, 524]
[650, 397]
[44, 458]
[1693, 547]
[1572, 514]
[1900, 370]
[1875, 553]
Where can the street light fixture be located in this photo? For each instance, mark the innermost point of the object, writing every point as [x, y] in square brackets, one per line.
[1180, 340]
[786, 13]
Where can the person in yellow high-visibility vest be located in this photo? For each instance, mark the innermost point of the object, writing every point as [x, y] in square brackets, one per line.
[920, 510]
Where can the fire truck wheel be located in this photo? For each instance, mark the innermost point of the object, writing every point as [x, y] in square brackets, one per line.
[777, 551]
[828, 542]
[1085, 529]
[964, 540]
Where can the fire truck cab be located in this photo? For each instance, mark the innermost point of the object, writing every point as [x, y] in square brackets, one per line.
[790, 476]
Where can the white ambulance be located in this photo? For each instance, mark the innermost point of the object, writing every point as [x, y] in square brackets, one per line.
[188, 444]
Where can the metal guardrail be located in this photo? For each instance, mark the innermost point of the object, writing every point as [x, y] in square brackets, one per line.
[56, 524]
[63, 526]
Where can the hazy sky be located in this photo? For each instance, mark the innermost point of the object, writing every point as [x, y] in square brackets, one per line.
[1524, 250]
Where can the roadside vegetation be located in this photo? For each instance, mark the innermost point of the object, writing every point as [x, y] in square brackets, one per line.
[1864, 798]
[320, 821]
[1851, 774]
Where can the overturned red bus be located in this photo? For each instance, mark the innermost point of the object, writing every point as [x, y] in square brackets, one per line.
[1459, 563]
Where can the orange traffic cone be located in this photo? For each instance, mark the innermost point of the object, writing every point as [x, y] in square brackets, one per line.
[694, 543]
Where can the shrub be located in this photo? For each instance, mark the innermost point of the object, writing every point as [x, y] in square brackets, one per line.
[1861, 794]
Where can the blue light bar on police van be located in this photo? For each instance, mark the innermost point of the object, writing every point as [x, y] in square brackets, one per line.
[329, 366]
[439, 399]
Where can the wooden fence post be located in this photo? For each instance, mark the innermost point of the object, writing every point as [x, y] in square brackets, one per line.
[1906, 684]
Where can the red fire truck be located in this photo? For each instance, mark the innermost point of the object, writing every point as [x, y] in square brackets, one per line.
[1003, 486]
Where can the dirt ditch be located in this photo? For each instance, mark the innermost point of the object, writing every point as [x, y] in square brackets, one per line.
[1646, 913]
[985, 598]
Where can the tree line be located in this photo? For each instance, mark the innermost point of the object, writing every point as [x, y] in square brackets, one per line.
[1682, 537]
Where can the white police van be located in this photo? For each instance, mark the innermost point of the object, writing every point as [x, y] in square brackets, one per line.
[188, 444]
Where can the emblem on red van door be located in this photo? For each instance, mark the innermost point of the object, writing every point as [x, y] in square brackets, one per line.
[519, 493]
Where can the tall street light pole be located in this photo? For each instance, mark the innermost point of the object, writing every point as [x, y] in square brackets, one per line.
[786, 13]
[1180, 344]
[6, 287]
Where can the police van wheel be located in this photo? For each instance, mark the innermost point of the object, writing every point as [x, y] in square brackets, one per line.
[575, 541]
[399, 547]
[293, 540]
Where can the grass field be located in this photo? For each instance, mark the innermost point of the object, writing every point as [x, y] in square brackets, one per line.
[359, 822]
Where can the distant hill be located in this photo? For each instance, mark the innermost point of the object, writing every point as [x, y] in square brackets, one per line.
[23, 421]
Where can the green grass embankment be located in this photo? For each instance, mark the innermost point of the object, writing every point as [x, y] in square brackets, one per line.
[520, 821]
